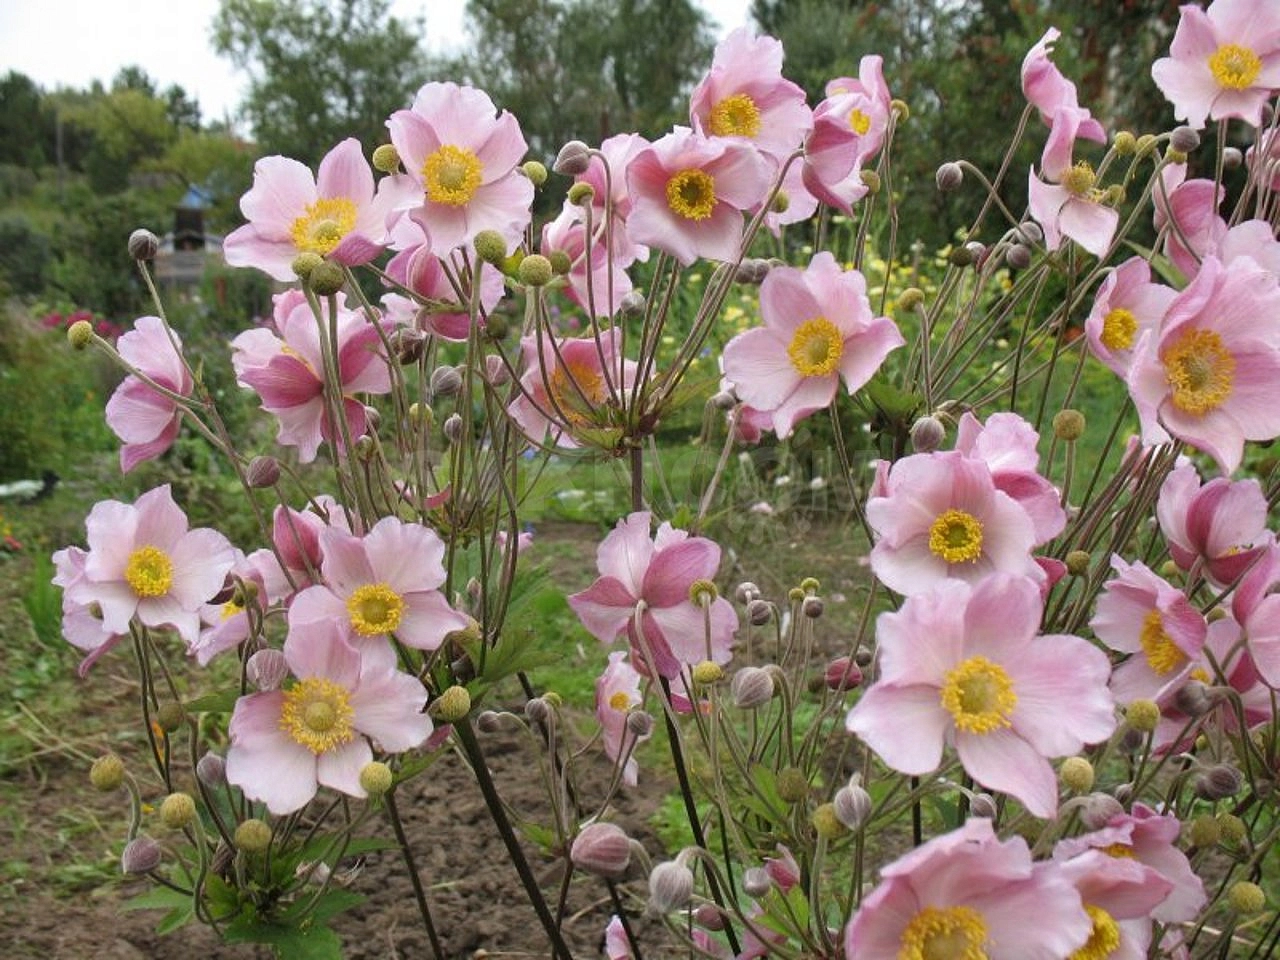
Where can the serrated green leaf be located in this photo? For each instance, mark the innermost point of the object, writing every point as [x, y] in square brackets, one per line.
[157, 898]
[223, 702]
[331, 903]
[312, 942]
[176, 919]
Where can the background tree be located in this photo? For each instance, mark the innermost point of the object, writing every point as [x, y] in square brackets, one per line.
[320, 71]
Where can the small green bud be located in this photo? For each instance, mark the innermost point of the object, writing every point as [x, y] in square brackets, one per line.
[1204, 831]
[1125, 143]
[1078, 563]
[1175, 156]
[107, 772]
[253, 836]
[1145, 144]
[554, 699]
[375, 778]
[80, 334]
[793, 785]
[496, 327]
[1068, 425]
[796, 594]
[703, 593]
[535, 171]
[170, 716]
[900, 108]
[452, 705]
[1169, 570]
[1142, 715]
[827, 823]
[960, 256]
[707, 673]
[177, 810]
[911, 298]
[535, 270]
[810, 584]
[386, 158]
[326, 278]
[1076, 774]
[490, 247]
[781, 202]
[561, 263]
[1246, 897]
[871, 180]
[421, 415]
[1232, 829]
[581, 194]
[304, 263]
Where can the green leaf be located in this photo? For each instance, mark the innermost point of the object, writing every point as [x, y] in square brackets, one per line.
[303, 942]
[898, 405]
[157, 898]
[176, 919]
[223, 702]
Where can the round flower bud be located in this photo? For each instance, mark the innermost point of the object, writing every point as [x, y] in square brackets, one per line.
[983, 806]
[1018, 256]
[708, 917]
[961, 257]
[911, 298]
[252, 836]
[602, 849]
[723, 400]
[489, 721]
[1203, 831]
[1125, 143]
[573, 159]
[746, 591]
[170, 717]
[795, 594]
[561, 262]
[633, 304]
[365, 447]
[863, 657]
[80, 334]
[1068, 425]
[1193, 699]
[386, 158]
[756, 882]
[752, 271]
[304, 263]
[445, 381]
[143, 245]
[793, 785]
[827, 822]
[537, 710]
[453, 428]
[141, 855]
[535, 171]
[177, 810]
[1246, 897]
[707, 673]
[421, 415]
[1029, 232]
[842, 673]
[812, 607]
[1184, 139]
[1098, 809]
[927, 434]
[670, 886]
[639, 724]
[1219, 782]
[581, 194]
[1076, 774]
[267, 669]
[535, 270]
[452, 705]
[852, 805]
[490, 247]
[1142, 715]
[1078, 563]
[211, 770]
[900, 110]
[871, 180]
[107, 772]
[781, 202]
[751, 687]
[1124, 792]
[759, 612]
[376, 778]
[948, 177]
[262, 472]
[1232, 158]
[1232, 830]
[1144, 144]
[703, 592]
[326, 278]
[1175, 156]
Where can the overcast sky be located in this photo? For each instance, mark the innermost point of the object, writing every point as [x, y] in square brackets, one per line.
[74, 42]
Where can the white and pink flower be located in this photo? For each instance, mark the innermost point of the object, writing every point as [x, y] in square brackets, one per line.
[1127, 306]
[1222, 524]
[145, 419]
[1046, 89]
[617, 694]
[1067, 203]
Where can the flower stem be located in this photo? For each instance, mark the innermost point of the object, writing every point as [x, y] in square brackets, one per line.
[419, 893]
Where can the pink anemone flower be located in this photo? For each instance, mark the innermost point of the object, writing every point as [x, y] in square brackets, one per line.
[1212, 376]
[1067, 202]
[462, 155]
[421, 271]
[617, 694]
[940, 516]
[967, 894]
[81, 622]
[745, 97]
[1256, 605]
[1222, 524]
[286, 744]
[287, 371]
[1126, 306]
[1187, 212]
[337, 213]
[597, 281]
[606, 174]
[1224, 61]
[386, 582]
[1119, 894]
[663, 583]
[145, 562]
[1049, 91]
[689, 193]
[145, 419]
[1006, 443]
[819, 329]
[964, 665]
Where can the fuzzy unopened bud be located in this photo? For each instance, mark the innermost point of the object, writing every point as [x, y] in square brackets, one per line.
[948, 177]
[143, 245]
[581, 194]
[633, 304]
[1219, 782]
[983, 806]
[489, 721]
[639, 724]
[573, 159]
[751, 687]
[535, 171]
[561, 262]
[452, 705]
[490, 247]
[756, 882]
[1232, 158]
[746, 591]
[211, 770]
[752, 271]
[537, 710]
[1029, 233]
[793, 785]
[107, 772]
[253, 836]
[141, 855]
[708, 917]
[842, 673]
[177, 810]
[445, 381]
[267, 669]
[1246, 898]
[376, 778]
[1098, 809]
[1184, 139]
[759, 612]
[927, 434]
[1125, 143]
[1232, 829]
[1193, 699]
[871, 180]
[80, 334]
[602, 849]
[453, 428]
[1203, 831]
[1142, 715]
[170, 716]
[852, 806]
[262, 472]
[326, 278]
[1068, 425]
[1018, 256]
[1078, 563]
[723, 400]
[1076, 774]
[386, 158]
[670, 887]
